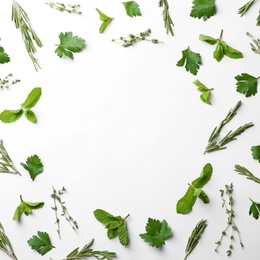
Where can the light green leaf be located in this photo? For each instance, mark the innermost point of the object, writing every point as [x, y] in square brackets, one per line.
[233, 53]
[106, 20]
[218, 54]
[32, 98]
[10, 116]
[205, 97]
[122, 234]
[208, 39]
[201, 87]
[204, 197]
[29, 114]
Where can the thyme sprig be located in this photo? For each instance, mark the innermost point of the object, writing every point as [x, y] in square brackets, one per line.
[22, 22]
[195, 237]
[6, 83]
[245, 172]
[5, 244]
[6, 163]
[131, 39]
[214, 144]
[168, 23]
[56, 195]
[242, 10]
[70, 8]
[231, 222]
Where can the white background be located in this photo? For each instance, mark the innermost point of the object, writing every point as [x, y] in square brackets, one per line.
[124, 130]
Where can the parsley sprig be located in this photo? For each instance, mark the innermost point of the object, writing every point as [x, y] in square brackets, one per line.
[168, 23]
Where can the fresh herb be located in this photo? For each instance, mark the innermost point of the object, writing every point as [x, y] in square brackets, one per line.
[186, 203]
[6, 163]
[203, 9]
[245, 172]
[69, 44]
[195, 237]
[106, 20]
[222, 49]
[26, 208]
[242, 10]
[56, 196]
[132, 39]
[214, 144]
[41, 243]
[254, 209]
[10, 116]
[5, 244]
[116, 226]
[247, 84]
[132, 8]
[70, 8]
[255, 46]
[168, 23]
[256, 152]
[22, 22]
[230, 222]
[156, 232]
[4, 57]
[206, 92]
[5, 83]
[191, 60]
[33, 165]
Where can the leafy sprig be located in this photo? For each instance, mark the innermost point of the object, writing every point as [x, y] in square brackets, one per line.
[70, 8]
[245, 172]
[106, 20]
[6, 83]
[168, 23]
[206, 92]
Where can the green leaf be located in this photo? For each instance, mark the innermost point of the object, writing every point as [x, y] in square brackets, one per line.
[233, 53]
[186, 203]
[105, 19]
[156, 232]
[191, 60]
[105, 218]
[10, 116]
[32, 98]
[254, 209]
[205, 97]
[256, 152]
[203, 9]
[204, 197]
[122, 234]
[4, 58]
[208, 39]
[132, 8]
[112, 233]
[218, 54]
[30, 115]
[33, 165]
[205, 176]
[69, 44]
[201, 87]
[41, 243]
[246, 84]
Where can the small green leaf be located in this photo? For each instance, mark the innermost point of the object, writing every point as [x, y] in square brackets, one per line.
[208, 39]
[254, 209]
[32, 98]
[256, 152]
[122, 234]
[4, 58]
[186, 203]
[205, 97]
[201, 87]
[112, 233]
[10, 116]
[30, 115]
[106, 20]
[203, 9]
[132, 8]
[204, 197]
[205, 176]
[218, 54]
[233, 53]
[246, 84]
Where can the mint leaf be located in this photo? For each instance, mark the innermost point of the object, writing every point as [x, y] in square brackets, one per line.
[132, 8]
[247, 84]
[208, 39]
[186, 203]
[29, 114]
[41, 243]
[254, 209]
[10, 116]
[4, 58]
[156, 232]
[203, 9]
[32, 98]
[106, 20]
[256, 152]
[206, 92]
[122, 234]
[33, 165]
[205, 176]
[233, 53]
[218, 53]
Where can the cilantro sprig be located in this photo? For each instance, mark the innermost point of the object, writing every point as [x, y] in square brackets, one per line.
[132, 8]
[203, 9]
[106, 20]
[247, 84]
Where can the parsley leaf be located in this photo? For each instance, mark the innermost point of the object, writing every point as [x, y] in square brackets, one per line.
[247, 84]
[186, 203]
[254, 209]
[4, 58]
[191, 60]
[116, 226]
[132, 8]
[256, 152]
[33, 165]
[41, 243]
[105, 19]
[156, 232]
[69, 44]
[203, 9]
[26, 208]
[206, 92]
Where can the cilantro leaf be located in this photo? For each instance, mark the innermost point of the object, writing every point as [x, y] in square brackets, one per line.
[254, 209]
[247, 84]
[41, 243]
[256, 152]
[33, 98]
[132, 8]
[4, 58]
[10, 116]
[156, 232]
[206, 92]
[203, 9]
[191, 60]
[105, 19]
[69, 44]
[33, 165]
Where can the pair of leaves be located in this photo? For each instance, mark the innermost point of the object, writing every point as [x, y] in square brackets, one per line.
[156, 232]
[41, 243]
[206, 92]
[191, 60]
[222, 49]
[26, 208]
[186, 203]
[247, 84]
[254, 209]
[33, 165]
[69, 44]
[10, 116]
[116, 225]
[132, 8]
[106, 20]
[4, 58]
[256, 152]
[203, 9]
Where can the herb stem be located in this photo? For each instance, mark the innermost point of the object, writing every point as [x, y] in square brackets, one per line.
[168, 23]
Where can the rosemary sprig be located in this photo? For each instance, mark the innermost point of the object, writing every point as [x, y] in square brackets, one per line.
[214, 144]
[231, 222]
[5, 83]
[6, 163]
[168, 23]
[70, 8]
[5, 244]
[131, 39]
[56, 195]
[195, 237]
[245, 172]
[242, 10]
[255, 46]
[22, 22]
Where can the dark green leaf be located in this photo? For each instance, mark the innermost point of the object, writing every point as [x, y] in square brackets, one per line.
[254, 209]
[186, 203]
[4, 58]
[204, 197]
[205, 176]
[246, 84]
[132, 8]
[122, 234]
[203, 9]
[256, 152]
